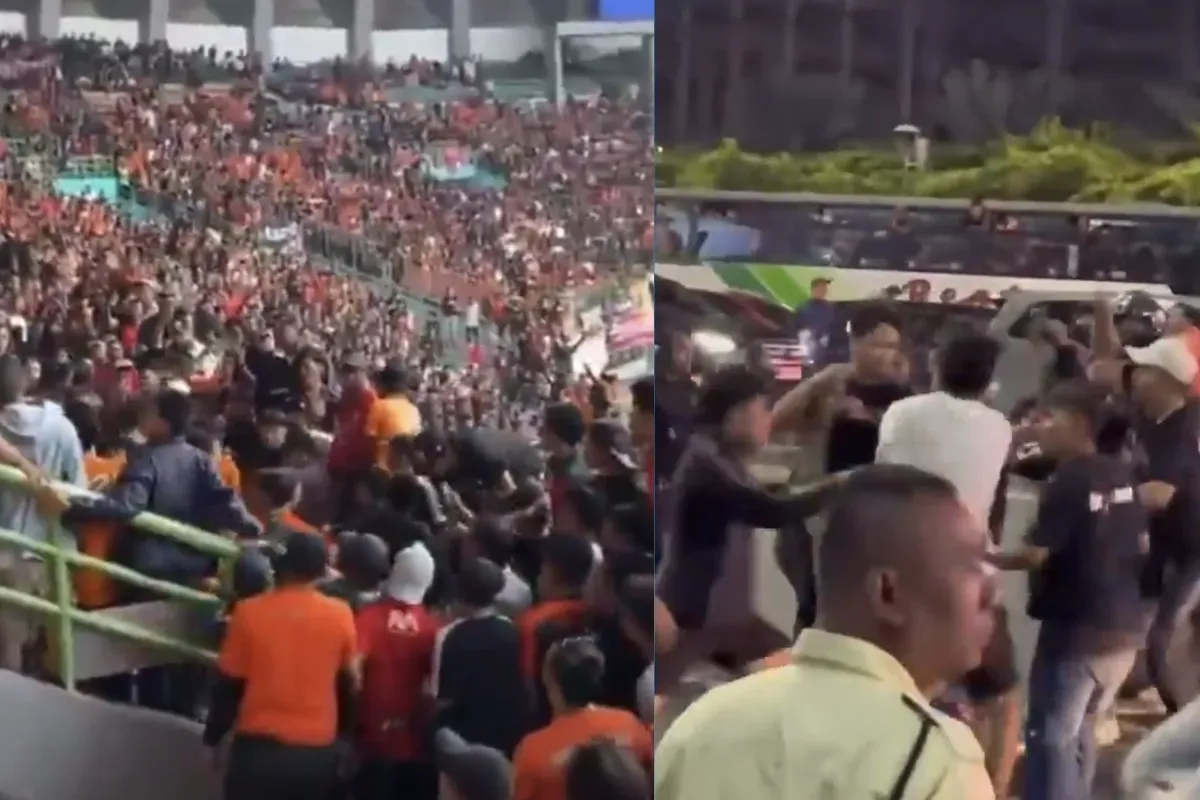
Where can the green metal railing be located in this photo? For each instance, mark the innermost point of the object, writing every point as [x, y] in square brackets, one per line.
[61, 607]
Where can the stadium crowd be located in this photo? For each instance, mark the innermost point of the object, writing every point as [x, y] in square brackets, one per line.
[448, 534]
[905, 678]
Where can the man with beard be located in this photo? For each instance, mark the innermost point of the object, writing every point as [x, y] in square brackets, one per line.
[846, 401]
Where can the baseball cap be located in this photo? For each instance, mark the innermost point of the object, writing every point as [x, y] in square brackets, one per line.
[479, 582]
[611, 437]
[1169, 354]
[476, 771]
[301, 555]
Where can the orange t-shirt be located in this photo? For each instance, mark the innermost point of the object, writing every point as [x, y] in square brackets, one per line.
[388, 418]
[288, 646]
[1191, 337]
[533, 618]
[229, 473]
[541, 757]
[93, 588]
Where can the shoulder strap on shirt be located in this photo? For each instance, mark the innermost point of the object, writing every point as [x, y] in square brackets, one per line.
[914, 755]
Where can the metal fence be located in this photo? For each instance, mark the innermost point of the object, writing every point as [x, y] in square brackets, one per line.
[70, 621]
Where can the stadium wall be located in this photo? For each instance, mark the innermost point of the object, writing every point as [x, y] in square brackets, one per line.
[307, 45]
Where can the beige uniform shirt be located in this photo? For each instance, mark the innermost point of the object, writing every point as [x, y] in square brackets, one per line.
[841, 722]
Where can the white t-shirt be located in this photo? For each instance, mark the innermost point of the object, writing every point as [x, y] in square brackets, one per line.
[963, 441]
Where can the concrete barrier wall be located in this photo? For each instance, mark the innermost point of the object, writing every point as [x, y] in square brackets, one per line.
[58, 746]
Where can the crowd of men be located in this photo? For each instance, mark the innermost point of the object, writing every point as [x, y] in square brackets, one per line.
[905, 681]
[445, 588]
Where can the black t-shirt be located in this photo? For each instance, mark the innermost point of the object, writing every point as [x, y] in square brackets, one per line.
[852, 442]
[1171, 449]
[1090, 587]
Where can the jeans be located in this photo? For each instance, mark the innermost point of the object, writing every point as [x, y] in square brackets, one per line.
[1165, 765]
[1170, 659]
[1068, 693]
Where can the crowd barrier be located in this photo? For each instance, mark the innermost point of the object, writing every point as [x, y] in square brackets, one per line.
[90, 644]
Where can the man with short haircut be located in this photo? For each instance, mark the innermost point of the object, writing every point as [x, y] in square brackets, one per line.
[951, 432]
[1085, 556]
[41, 434]
[715, 503]
[906, 607]
[845, 402]
[573, 673]
[285, 717]
[470, 771]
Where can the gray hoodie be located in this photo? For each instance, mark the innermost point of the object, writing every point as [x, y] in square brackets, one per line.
[47, 438]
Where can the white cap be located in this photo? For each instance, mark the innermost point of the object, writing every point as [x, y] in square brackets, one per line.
[1170, 354]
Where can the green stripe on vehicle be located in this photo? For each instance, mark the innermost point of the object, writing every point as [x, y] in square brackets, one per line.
[789, 288]
[740, 278]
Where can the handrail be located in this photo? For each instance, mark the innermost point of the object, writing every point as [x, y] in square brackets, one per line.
[62, 607]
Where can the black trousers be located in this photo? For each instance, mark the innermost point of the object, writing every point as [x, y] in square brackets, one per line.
[380, 779]
[264, 769]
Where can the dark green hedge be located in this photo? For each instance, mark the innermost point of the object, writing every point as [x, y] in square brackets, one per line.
[1053, 163]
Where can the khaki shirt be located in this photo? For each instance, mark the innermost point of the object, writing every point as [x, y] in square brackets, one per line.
[834, 724]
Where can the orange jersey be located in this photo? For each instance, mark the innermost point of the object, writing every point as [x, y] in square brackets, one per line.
[540, 760]
[93, 588]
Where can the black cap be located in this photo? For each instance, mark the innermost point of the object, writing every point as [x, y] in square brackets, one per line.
[611, 437]
[820, 280]
[479, 581]
[301, 557]
[476, 772]
[393, 376]
[251, 573]
[565, 422]
[363, 556]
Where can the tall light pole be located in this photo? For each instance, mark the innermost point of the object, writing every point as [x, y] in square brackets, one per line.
[681, 113]
[791, 13]
[731, 124]
[847, 42]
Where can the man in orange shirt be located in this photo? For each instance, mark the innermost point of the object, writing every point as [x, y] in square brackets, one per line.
[567, 563]
[574, 677]
[285, 685]
[392, 414]
[281, 492]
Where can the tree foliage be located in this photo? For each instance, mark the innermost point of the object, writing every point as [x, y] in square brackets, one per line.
[1053, 163]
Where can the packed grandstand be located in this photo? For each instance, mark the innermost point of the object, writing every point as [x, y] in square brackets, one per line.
[371, 345]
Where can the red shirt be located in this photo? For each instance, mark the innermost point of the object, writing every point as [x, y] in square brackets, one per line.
[397, 642]
[352, 450]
